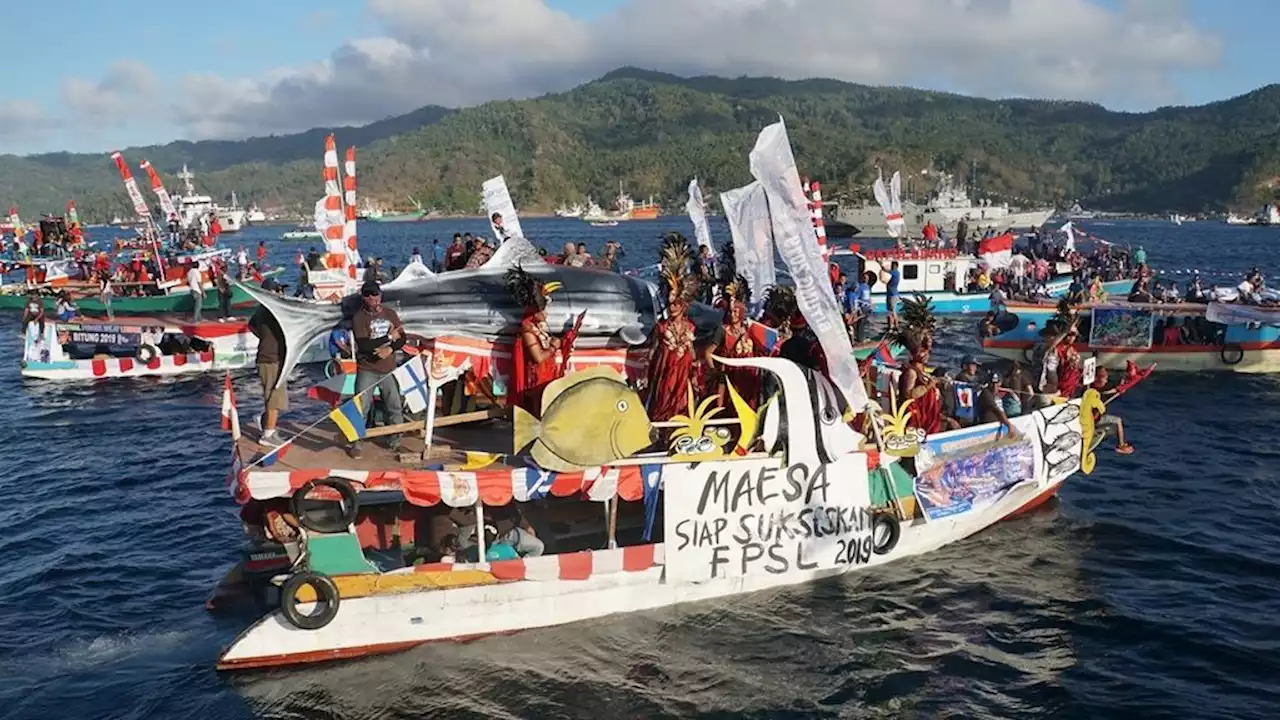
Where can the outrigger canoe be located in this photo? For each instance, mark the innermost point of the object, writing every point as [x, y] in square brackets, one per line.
[1217, 336]
[786, 496]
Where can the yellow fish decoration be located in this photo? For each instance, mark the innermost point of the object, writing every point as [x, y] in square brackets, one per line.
[589, 418]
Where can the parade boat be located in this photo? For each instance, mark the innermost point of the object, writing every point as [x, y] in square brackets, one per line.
[940, 276]
[347, 558]
[137, 346]
[1219, 336]
[47, 278]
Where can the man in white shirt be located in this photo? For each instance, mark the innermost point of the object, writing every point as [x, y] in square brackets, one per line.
[197, 289]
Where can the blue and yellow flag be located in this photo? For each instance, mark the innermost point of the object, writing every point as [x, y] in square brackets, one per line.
[349, 417]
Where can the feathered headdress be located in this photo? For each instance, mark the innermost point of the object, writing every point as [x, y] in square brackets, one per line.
[917, 321]
[680, 285]
[528, 290]
[780, 304]
[732, 285]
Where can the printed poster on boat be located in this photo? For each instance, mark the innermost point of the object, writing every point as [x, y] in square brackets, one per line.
[764, 517]
[500, 209]
[102, 334]
[953, 487]
[1121, 328]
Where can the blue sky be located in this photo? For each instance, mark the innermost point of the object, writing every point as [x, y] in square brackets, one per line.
[243, 39]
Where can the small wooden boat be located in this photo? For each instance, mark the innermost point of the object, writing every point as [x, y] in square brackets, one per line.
[605, 224]
[362, 571]
[136, 346]
[302, 233]
[1218, 336]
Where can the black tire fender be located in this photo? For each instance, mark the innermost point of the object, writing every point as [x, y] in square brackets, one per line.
[893, 533]
[1028, 354]
[326, 600]
[349, 499]
[1231, 354]
[146, 353]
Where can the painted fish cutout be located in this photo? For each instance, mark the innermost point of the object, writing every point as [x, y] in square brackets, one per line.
[589, 419]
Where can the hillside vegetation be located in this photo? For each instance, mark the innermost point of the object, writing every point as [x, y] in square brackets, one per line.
[653, 132]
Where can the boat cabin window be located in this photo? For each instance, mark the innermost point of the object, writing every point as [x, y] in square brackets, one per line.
[911, 272]
[935, 268]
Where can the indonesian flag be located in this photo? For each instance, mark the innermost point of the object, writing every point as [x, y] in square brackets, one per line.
[997, 252]
[230, 418]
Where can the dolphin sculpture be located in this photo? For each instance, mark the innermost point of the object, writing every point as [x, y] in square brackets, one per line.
[620, 310]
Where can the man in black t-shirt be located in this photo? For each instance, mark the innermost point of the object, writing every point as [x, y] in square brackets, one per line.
[989, 408]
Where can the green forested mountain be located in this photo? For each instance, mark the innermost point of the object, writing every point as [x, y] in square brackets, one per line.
[653, 132]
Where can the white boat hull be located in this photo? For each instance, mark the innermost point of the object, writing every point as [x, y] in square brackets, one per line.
[1254, 360]
[231, 353]
[393, 622]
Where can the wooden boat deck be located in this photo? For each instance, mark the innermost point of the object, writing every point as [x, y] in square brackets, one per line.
[324, 447]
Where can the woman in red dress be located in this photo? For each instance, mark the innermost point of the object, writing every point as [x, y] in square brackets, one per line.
[737, 343]
[917, 384]
[537, 356]
[1070, 367]
[671, 366]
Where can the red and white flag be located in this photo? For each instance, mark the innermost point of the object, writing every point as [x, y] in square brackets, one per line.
[997, 252]
[230, 417]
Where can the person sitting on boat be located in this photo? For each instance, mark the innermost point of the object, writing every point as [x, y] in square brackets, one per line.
[514, 530]
[1195, 290]
[537, 356]
[987, 327]
[671, 366]
[65, 309]
[1141, 292]
[1106, 422]
[1097, 293]
[953, 416]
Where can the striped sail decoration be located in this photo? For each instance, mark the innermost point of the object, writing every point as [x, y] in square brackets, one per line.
[349, 228]
[335, 219]
[131, 186]
[819, 223]
[157, 187]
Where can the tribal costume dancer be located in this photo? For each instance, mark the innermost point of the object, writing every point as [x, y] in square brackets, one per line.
[737, 343]
[671, 366]
[915, 333]
[534, 354]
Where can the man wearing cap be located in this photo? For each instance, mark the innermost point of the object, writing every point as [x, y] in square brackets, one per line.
[989, 407]
[969, 367]
[378, 333]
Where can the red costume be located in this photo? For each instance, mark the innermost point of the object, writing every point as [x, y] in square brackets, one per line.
[529, 376]
[1070, 373]
[737, 343]
[674, 363]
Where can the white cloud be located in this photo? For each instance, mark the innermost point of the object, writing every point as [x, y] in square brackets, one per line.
[462, 52]
[122, 93]
[22, 120]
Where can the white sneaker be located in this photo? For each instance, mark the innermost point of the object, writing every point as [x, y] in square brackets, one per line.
[270, 437]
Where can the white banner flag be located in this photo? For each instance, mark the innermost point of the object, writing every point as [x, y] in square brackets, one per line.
[891, 205]
[747, 210]
[501, 211]
[698, 214]
[774, 166]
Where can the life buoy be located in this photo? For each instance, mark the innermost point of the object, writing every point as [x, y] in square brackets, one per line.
[885, 533]
[325, 522]
[332, 368]
[1231, 354]
[326, 608]
[146, 353]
